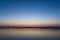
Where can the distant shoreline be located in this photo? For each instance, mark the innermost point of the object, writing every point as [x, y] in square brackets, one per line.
[16, 27]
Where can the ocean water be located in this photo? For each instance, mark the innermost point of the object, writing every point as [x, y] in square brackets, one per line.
[29, 34]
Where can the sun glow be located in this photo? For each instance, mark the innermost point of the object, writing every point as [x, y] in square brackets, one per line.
[28, 23]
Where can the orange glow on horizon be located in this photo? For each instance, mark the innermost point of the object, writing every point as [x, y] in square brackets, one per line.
[28, 24]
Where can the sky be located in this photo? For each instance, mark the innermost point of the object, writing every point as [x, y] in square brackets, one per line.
[29, 12]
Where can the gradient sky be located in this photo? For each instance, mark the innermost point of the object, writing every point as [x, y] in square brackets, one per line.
[29, 12]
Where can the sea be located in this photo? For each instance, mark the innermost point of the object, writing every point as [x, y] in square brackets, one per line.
[29, 34]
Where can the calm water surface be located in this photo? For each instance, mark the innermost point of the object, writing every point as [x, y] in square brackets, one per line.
[29, 34]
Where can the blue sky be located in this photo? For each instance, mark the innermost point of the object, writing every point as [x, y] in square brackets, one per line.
[29, 11]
